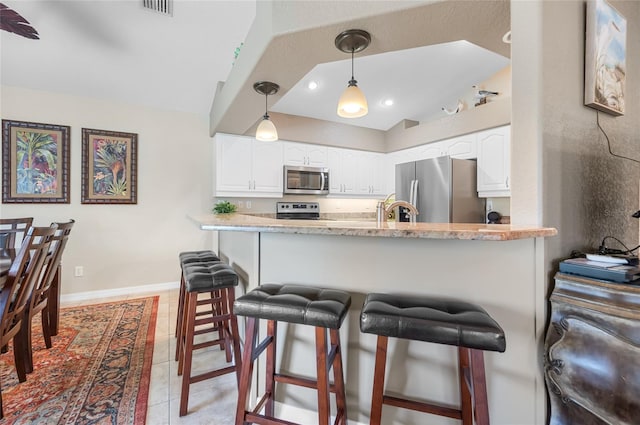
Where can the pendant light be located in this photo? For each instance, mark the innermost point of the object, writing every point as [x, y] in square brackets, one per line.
[352, 103]
[266, 131]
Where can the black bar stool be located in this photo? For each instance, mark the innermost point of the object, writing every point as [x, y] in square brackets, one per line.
[441, 321]
[190, 257]
[219, 280]
[322, 308]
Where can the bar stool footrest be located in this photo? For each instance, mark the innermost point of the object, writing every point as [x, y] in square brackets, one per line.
[421, 406]
[212, 374]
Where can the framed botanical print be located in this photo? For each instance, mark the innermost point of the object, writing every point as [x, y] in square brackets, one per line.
[109, 167]
[35, 162]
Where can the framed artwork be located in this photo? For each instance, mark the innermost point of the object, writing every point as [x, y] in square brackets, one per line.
[35, 162]
[605, 58]
[109, 167]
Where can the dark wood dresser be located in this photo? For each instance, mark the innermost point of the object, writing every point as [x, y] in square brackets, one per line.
[592, 350]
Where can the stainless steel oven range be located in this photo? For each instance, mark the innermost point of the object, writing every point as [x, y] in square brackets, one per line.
[298, 210]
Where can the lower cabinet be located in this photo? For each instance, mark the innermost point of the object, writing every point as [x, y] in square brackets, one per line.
[592, 352]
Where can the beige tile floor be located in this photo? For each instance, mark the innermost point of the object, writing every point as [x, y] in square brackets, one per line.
[211, 402]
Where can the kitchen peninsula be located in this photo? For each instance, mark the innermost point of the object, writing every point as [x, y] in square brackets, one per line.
[496, 266]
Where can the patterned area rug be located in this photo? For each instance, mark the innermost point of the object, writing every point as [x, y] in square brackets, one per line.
[97, 371]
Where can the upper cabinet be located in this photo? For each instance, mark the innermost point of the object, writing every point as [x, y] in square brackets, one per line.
[303, 154]
[494, 162]
[373, 177]
[343, 176]
[246, 167]
[461, 147]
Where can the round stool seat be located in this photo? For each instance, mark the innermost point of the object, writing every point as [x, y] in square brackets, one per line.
[295, 304]
[203, 277]
[189, 257]
[431, 319]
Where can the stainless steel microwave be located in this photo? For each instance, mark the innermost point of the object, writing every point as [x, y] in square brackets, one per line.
[306, 180]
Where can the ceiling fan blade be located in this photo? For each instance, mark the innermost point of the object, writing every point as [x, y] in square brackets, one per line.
[12, 21]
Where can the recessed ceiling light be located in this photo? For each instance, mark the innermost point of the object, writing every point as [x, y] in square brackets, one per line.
[387, 102]
[312, 85]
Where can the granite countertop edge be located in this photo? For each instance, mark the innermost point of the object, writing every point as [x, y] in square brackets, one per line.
[338, 227]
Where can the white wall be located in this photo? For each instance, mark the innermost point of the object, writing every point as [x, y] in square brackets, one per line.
[124, 245]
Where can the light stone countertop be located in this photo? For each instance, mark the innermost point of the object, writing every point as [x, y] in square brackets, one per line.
[466, 231]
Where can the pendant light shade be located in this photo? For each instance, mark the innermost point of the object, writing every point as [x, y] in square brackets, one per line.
[266, 131]
[352, 103]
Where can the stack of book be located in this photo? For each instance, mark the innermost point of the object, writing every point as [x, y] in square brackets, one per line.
[616, 269]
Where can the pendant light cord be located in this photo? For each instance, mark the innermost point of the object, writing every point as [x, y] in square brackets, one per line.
[266, 107]
[353, 50]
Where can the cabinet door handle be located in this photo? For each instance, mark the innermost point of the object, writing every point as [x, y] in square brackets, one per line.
[249, 184]
[506, 181]
[254, 185]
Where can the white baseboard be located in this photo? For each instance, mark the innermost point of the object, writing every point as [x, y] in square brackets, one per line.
[117, 292]
[303, 416]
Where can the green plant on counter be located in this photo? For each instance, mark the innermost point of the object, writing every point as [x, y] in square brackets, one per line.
[224, 207]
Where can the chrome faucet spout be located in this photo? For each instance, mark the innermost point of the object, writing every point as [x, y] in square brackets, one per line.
[384, 212]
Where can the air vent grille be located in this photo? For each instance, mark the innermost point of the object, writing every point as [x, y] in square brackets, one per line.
[161, 6]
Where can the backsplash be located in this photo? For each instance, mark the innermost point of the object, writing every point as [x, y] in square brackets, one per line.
[327, 205]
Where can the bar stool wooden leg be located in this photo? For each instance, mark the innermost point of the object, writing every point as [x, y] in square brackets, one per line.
[481, 403]
[270, 389]
[180, 306]
[235, 334]
[186, 356]
[180, 317]
[323, 376]
[378, 381]
[180, 343]
[464, 372]
[338, 376]
[251, 331]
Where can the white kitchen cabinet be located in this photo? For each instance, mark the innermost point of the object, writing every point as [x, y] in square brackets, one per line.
[430, 150]
[246, 167]
[494, 162]
[343, 176]
[358, 173]
[372, 174]
[461, 147]
[303, 154]
[417, 153]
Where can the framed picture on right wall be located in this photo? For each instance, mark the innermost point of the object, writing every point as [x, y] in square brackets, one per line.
[605, 58]
[109, 167]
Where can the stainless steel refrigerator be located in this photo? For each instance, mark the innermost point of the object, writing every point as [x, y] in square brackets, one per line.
[443, 190]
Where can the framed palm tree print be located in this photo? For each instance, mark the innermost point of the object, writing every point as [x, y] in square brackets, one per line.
[35, 162]
[109, 167]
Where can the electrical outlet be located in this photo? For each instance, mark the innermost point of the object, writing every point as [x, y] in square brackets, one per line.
[248, 205]
[489, 205]
[79, 271]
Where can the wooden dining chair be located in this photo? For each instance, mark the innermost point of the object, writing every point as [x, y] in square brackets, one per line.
[13, 231]
[14, 296]
[39, 301]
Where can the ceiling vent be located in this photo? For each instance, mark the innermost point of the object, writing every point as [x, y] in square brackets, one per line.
[161, 6]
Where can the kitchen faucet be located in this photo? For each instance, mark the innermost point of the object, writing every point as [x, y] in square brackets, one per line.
[382, 212]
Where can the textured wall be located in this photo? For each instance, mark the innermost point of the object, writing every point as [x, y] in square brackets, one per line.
[588, 193]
